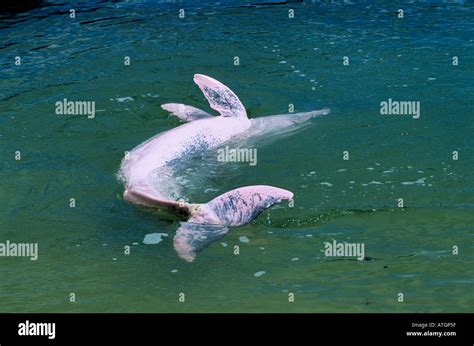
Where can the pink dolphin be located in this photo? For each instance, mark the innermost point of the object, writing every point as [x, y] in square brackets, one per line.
[148, 179]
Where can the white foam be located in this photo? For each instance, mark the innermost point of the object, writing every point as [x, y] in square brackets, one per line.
[124, 99]
[154, 238]
[419, 181]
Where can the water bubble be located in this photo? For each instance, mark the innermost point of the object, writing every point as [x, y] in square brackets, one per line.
[244, 239]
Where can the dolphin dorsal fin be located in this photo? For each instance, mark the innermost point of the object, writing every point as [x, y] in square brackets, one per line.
[220, 97]
[184, 112]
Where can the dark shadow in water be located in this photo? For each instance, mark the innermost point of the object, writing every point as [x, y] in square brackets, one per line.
[272, 3]
[9, 7]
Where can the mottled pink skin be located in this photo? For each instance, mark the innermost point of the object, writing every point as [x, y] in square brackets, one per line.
[189, 138]
[211, 221]
[239, 206]
[191, 238]
[207, 222]
[220, 97]
[213, 132]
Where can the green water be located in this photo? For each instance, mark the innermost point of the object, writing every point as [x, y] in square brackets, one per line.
[283, 61]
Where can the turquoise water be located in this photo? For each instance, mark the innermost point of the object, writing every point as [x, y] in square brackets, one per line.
[282, 61]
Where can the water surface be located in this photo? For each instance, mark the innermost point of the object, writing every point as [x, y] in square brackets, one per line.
[283, 61]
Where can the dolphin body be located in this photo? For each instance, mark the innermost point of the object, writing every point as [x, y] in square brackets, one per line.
[146, 171]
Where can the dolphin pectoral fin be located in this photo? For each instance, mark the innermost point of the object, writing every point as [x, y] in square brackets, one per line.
[184, 112]
[220, 97]
[190, 238]
[240, 206]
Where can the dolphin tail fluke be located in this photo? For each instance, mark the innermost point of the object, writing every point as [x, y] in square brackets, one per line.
[190, 238]
[210, 222]
[240, 206]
